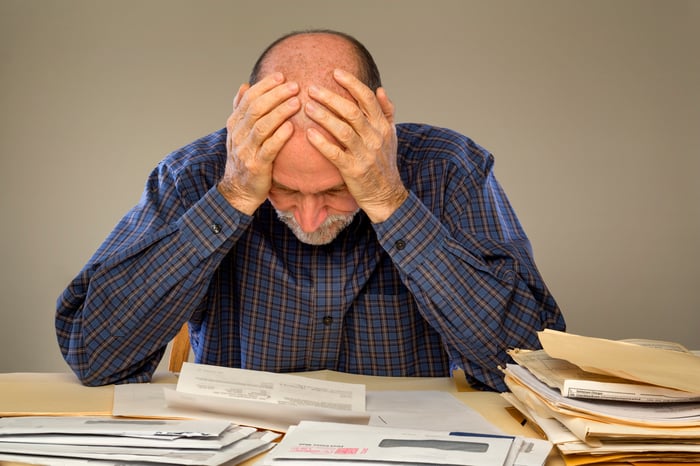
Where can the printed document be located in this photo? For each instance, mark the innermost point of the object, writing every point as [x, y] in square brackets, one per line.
[265, 399]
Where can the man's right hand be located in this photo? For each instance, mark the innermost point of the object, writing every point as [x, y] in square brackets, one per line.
[257, 129]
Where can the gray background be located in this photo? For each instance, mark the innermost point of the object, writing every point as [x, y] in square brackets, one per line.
[592, 109]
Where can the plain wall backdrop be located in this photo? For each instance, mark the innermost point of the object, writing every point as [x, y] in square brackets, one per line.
[592, 109]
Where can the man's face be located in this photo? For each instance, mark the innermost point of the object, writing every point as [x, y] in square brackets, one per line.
[309, 194]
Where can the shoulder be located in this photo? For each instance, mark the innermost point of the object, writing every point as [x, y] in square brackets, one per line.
[191, 170]
[421, 144]
[206, 155]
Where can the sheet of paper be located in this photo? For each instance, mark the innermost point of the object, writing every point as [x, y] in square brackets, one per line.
[622, 447]
[144, 400]
[590, 430]
[408, 408]
[264, 399]
[549, 427]
[528, 452]
[230, 435]
[654, 364]
[329, 443]
[19, 459]
[269, 387]
[382, 382]
[94, 425]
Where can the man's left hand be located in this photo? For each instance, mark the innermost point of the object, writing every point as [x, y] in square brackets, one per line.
[366, 156]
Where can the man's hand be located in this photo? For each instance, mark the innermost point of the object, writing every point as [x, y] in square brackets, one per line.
[257, 129]
[366, 157]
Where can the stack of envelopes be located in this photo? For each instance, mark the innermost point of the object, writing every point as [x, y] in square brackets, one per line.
[110, 441]
[606, 401]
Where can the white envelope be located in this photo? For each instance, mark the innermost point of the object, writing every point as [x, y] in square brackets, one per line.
[329, 443]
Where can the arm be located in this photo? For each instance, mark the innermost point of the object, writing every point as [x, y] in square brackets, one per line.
[116, 317]
[475, 282]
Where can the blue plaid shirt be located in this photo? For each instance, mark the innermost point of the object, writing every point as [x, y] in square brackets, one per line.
[449, 280]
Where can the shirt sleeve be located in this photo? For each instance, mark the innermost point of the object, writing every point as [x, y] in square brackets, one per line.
[116, 317]
[470, 269]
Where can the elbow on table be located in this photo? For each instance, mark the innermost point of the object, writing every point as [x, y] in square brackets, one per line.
[94, 372]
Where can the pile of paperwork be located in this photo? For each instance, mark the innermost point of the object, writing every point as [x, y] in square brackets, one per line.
[108, 441]
[606, 401]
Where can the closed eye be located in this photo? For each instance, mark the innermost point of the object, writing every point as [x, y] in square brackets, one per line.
[337, 190]
[334, 191]
[282, 189]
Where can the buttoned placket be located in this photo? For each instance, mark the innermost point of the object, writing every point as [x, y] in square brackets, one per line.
[328, 301]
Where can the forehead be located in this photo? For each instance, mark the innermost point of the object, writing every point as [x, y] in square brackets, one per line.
[300, 167]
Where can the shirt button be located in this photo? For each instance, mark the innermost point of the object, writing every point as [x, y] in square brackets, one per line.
[327, 320]
[215, 227]
[400, 244]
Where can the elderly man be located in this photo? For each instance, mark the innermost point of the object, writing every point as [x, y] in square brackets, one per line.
[313, 233]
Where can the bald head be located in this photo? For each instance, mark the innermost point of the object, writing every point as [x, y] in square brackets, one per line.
[310, 58]
[366, 68]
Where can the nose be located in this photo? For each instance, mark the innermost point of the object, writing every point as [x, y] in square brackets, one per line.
[310, 213]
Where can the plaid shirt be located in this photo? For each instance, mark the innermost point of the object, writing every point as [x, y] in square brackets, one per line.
[448, 281]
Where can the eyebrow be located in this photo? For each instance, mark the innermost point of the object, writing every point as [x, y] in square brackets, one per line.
[336, 188]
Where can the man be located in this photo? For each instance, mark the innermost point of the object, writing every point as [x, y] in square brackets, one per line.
[313, 233]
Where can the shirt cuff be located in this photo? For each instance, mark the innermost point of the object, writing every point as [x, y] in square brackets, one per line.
[411, 235]
[212, 222]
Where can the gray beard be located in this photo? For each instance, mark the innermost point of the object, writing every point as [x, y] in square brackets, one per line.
[324, 234]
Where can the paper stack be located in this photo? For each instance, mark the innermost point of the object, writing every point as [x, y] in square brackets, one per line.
[109, 441]
[606, 401]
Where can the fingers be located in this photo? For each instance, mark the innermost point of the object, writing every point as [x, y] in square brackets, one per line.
[364, 122]
[261, 109]
[373, 105]
[257, 129]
